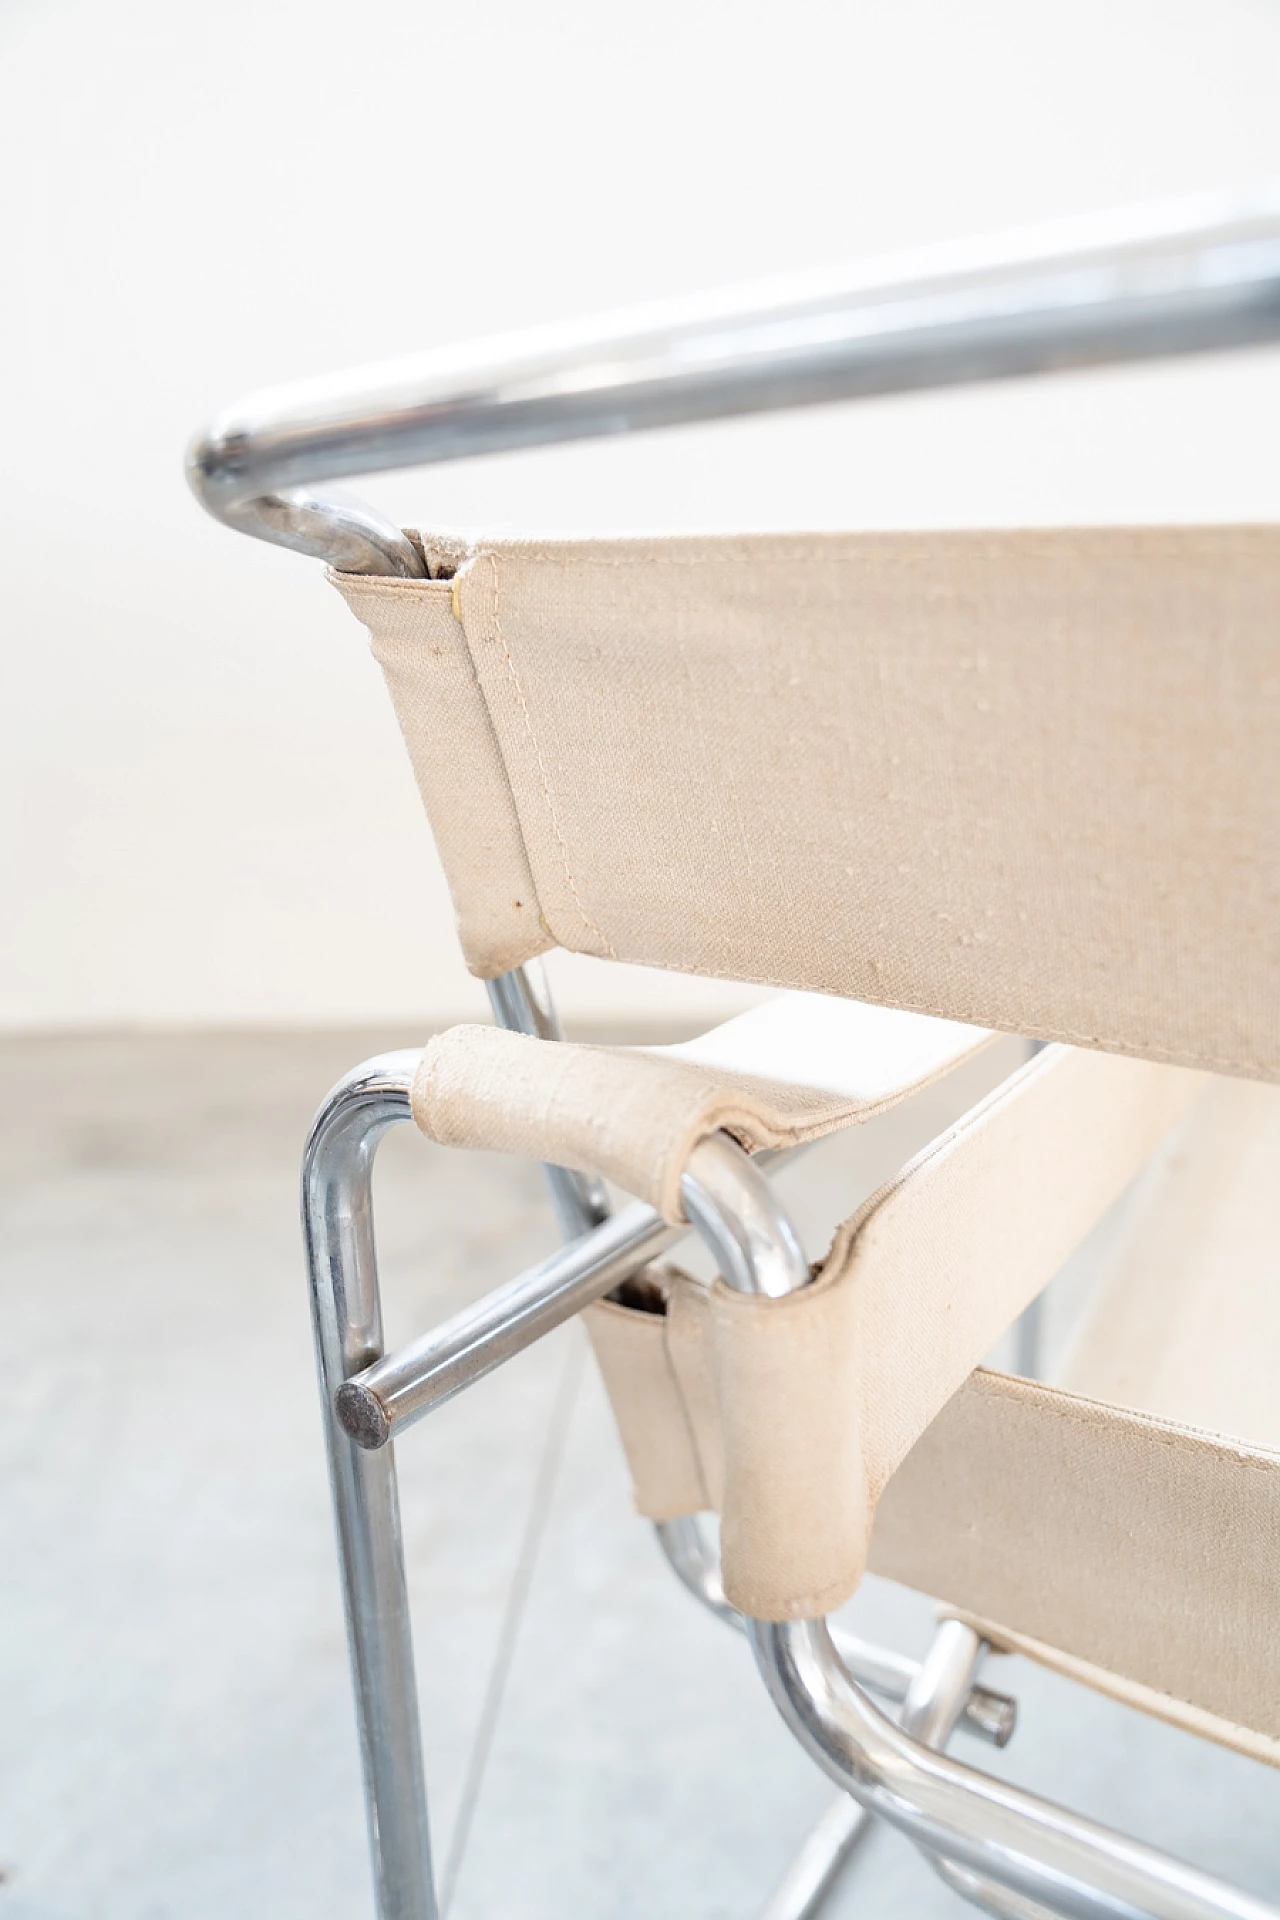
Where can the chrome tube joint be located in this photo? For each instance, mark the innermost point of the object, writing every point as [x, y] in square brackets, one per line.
[750, 1233]
[394, 1392]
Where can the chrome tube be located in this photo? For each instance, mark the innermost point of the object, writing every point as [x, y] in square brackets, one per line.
[386, 1397]
[394, 1391]
[401, 1388]
[742, 1220]
[1035, 1850]
[1131, 285]
[932, 1709]
[818, 1861]
[347, 1322]
[936, 1698]
[990, 1715]
[1071, 1865]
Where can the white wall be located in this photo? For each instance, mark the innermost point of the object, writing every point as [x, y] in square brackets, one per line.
[207, 815]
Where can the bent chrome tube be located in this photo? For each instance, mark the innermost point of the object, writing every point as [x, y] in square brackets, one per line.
[941, 1688]
[1071, 1865]
[742, 1220]
[346, 1314]
[995, 1832]
[346, 1317]
[990, 1715]
[1188, 278]
[818, 1862]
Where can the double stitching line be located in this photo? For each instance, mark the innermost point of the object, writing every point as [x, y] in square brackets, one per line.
[587, 921]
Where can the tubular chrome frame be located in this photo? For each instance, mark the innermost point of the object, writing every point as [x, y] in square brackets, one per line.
[1137, 284]
[1131, 286]
[1004, 1849]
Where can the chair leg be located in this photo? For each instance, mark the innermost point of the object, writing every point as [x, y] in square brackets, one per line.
[347, 1322]
[816, 1866]
[819, 1861]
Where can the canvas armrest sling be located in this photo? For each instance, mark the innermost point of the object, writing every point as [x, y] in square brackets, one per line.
[791, 1415]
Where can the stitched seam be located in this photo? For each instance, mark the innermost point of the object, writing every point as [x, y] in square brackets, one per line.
[1066, 543]
[587, 921]
[725, 550]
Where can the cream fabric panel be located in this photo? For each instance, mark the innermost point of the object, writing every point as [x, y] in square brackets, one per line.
[635, 1114]
[657, 1369]
[1147, 1550]
[423, 653]
[1022, 779]
[1161, 1706]
[821, 1395]
[1033, 1513]
[1184, 1321]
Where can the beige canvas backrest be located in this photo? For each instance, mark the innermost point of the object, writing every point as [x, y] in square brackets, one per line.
[1023, 779]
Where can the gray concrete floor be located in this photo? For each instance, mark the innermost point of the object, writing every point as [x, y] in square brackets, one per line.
[177, 1738]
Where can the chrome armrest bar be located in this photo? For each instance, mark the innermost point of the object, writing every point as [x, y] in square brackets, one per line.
[1187, 278]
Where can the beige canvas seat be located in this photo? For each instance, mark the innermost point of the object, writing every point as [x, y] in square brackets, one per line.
[935, 787]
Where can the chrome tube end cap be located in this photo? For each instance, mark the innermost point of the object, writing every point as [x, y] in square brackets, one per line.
[362, 1416]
